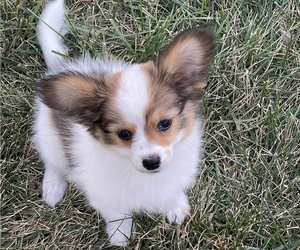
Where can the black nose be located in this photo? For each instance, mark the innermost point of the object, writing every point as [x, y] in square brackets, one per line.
[151, 163]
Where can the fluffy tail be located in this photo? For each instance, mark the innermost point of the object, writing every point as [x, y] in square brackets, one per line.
[50, 31]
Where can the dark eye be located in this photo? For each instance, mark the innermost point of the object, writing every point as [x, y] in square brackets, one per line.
[124, 134]
[164, 125]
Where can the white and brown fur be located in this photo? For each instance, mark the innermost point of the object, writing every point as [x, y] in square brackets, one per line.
[128, 135]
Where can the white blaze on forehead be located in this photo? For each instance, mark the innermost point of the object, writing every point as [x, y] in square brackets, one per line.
[132, 96]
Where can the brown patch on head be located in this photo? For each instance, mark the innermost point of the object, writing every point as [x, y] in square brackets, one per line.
[165, 104]
[86, 100]
[112, 122]
[181, 115]
[174, 83]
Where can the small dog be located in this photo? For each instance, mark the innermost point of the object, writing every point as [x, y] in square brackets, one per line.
[128, 135]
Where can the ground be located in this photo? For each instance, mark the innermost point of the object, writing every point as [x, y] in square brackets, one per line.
[248, 194]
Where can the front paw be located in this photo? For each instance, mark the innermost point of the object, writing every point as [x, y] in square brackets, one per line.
[119, 231]
[54, 188]
[178, 214]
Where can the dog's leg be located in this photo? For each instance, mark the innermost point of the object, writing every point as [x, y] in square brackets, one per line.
[180, 211]
[119, 228]
[54, 185]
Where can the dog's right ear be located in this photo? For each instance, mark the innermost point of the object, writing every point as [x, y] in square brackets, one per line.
[76, 96]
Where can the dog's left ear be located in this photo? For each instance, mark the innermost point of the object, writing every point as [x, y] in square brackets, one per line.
[188, 57]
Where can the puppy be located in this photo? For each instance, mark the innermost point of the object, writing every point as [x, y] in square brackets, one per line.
[129, 136]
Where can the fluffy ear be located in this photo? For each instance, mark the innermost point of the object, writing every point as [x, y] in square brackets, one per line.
[74, 95]
[189, 55]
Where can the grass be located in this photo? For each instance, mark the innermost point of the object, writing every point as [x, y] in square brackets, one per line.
[248, 195]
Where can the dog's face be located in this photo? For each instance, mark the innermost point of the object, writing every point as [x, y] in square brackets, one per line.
[143, 111]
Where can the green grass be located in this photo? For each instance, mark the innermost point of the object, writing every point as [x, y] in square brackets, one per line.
[248, 195]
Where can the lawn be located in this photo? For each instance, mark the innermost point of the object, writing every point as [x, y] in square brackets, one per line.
[248, 194]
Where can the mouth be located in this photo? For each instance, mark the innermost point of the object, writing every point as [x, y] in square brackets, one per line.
[150, 172]
[153, 171]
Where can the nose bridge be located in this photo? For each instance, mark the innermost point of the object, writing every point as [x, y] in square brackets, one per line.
[142, 142]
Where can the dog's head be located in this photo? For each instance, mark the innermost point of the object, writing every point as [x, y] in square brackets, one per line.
[143, 111]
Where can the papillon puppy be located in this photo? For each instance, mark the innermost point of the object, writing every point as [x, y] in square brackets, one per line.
[129, 136]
